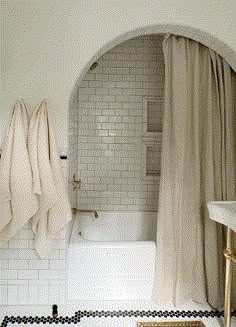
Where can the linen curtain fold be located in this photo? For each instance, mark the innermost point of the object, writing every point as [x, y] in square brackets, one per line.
[198, 165]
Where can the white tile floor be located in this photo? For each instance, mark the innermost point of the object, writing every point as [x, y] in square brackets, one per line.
[69, 310]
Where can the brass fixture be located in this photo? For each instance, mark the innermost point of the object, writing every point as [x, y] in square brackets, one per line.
[75, 210]
[76, 183]
[230, 259]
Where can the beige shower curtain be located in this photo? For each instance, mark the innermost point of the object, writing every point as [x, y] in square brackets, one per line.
[197, 166]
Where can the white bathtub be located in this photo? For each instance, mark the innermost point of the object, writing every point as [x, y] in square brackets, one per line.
[112, 257]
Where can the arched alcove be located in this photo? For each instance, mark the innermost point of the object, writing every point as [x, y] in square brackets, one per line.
[187, 31]
[196, 35]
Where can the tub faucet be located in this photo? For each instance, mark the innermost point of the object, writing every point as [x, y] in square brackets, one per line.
[75, 210]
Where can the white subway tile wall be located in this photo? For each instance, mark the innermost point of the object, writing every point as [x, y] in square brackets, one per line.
[107, 127]
[25, 279]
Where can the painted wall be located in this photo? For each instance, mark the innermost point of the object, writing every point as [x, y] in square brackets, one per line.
[46, 45]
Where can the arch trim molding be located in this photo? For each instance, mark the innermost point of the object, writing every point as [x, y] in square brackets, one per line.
[187, 31]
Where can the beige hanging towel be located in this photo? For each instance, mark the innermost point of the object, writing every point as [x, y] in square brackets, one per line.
[48, 182]
[17, 201]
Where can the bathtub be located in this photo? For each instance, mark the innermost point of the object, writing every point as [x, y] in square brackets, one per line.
[112, 257]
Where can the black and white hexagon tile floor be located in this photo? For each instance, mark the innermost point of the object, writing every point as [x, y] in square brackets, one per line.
[109, 314]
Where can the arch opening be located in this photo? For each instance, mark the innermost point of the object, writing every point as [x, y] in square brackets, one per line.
[210, 42]
[187, 31]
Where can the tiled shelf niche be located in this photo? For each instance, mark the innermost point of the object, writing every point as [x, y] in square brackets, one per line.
[153, 160]
[152, 115]
[152, 137]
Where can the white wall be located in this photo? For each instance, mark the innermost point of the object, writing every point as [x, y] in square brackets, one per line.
[46, 45]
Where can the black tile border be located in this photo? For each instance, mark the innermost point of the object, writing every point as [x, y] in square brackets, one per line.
[126, 313]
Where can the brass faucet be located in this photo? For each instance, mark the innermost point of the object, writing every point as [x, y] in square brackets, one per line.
[75, 210]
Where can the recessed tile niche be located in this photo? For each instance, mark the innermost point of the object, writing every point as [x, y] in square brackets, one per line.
[154, 115]
[152, 136]
[153, 160]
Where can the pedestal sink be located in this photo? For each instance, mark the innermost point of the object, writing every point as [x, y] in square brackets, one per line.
[224, 212]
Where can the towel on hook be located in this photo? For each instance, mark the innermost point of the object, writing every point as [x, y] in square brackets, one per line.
[48, 182]
[17, 201]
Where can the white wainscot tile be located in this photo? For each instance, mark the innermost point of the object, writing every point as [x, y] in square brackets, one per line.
[4, 264]
[28, 254]
[56, 292]
[18, 264]
[8, 254]
[3, 292]
[28, 274]
[9, 274]
[22, 286]
[23, 291]
[38, 292]
[57, 264]
[12, 295]
[38, 264]
[51, 274]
